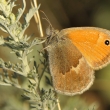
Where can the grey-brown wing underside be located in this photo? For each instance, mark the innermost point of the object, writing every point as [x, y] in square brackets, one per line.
[70, 71]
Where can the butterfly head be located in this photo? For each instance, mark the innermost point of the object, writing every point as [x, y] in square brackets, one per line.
[52, 35]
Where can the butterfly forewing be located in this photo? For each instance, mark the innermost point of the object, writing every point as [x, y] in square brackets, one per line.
[91, 42]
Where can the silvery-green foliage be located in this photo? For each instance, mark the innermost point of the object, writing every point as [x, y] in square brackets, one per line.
[19, 44]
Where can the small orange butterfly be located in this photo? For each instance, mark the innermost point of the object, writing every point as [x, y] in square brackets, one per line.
[74, 54]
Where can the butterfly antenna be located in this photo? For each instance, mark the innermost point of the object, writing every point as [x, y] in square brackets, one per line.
[46, 18]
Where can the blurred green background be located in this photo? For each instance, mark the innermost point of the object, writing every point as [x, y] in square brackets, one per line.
[64, 14]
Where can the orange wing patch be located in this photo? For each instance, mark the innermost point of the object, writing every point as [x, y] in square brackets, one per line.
[91, 43]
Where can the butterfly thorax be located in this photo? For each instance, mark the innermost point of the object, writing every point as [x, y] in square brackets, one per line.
[52, 36]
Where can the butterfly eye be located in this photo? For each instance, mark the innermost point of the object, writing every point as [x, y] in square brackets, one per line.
[107, 42]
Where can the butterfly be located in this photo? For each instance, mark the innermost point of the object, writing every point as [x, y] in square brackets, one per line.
[74, 54]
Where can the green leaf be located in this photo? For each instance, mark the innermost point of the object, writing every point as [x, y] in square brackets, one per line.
[30, 14]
